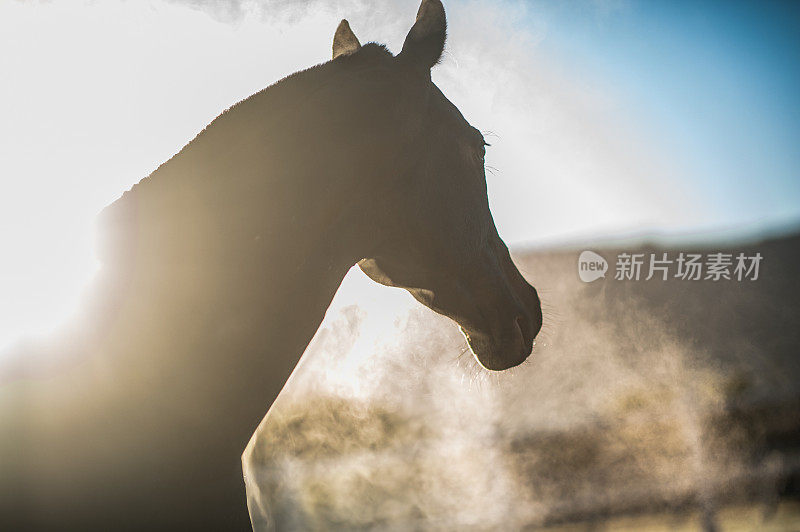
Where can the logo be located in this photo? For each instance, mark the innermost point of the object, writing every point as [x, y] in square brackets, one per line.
[666, 265]
[591, 266]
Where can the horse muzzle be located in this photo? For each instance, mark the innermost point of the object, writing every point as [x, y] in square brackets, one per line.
[503, 337]
[508, 344]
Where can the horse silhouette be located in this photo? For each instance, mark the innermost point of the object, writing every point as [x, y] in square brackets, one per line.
[218, 268]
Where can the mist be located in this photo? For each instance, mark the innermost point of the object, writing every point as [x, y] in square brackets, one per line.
[643, 403]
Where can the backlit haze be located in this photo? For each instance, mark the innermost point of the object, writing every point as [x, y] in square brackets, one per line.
[604, 118]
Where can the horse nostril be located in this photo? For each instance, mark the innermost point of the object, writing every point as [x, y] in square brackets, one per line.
[525, 329]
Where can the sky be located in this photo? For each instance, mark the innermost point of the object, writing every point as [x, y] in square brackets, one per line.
[605, 117]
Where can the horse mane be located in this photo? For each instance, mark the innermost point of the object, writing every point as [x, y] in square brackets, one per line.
[192, 166]
[261, 105]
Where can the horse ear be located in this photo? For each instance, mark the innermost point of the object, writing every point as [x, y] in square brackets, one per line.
[425, 42]
[344, 40]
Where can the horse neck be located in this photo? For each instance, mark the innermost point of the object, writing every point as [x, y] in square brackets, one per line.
[253, 336]
[290, 313]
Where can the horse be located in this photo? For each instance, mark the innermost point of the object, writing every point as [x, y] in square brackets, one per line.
[218, 268]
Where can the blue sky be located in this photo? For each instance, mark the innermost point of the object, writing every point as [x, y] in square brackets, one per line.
[718, 83]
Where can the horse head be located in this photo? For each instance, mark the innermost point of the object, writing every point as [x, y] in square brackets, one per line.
[436, 237]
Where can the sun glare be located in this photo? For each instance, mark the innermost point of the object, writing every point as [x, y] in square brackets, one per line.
[83, 122]
[43, 275]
